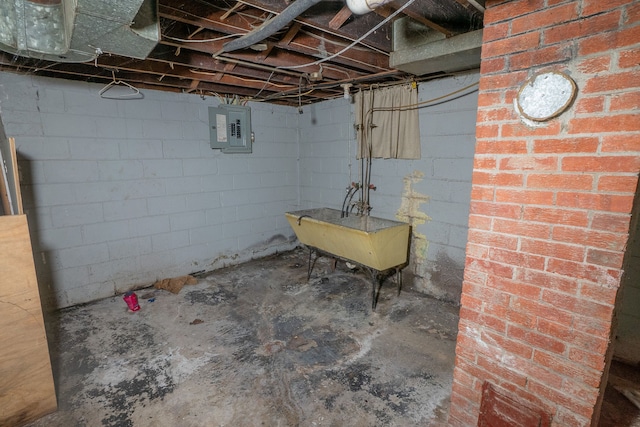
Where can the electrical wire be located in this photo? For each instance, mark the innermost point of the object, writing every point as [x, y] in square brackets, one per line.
[265, 84]
[422, 103]
[338, 70]
[307, 23]
[367, 125]
[206, 73]
[337, 43]
[164, 36]
[295, 95]
[358, 40]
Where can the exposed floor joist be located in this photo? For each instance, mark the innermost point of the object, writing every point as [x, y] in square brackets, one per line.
[306, 57]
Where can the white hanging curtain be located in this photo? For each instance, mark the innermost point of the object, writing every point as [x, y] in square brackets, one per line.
[387, 123]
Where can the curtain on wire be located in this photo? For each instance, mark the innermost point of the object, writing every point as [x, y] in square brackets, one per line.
[385, 129]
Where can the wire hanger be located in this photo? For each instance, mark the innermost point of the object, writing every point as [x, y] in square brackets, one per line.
[133, 94]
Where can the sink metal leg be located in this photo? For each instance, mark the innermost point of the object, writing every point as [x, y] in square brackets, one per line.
[376, 285]
[377, 277]
[373, 295]
[312, 263]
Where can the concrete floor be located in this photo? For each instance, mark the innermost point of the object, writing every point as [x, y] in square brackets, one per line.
[257, 345]
[617, 410]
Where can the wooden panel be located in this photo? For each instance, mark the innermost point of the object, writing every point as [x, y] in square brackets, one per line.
[26, 382]
[10, 164]
[4, 193]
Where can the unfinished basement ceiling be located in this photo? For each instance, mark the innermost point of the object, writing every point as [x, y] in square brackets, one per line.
[193, 33]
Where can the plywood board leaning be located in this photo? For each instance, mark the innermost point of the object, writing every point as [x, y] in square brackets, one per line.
[4, 189]
[9, 164]
[26, 382]
[14, 179]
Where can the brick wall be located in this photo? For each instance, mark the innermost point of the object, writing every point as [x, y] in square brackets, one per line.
[550, 209]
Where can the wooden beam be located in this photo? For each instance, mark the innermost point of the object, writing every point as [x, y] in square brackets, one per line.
[324, 44]
[321, 18]
[194, 85]
[227, 68]
[150, 71]
[262, 56]
[295, 48]
[235, 7]
[386, 11]
[340, 18]
[293, 30]
[421, 19]
[283, 58]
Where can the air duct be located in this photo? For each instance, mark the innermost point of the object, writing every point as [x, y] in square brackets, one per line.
[78, 30]
[275, 24]
[271, 26]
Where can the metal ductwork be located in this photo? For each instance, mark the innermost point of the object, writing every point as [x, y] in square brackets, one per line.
[359, 7]
[78, 30]
[419, 50]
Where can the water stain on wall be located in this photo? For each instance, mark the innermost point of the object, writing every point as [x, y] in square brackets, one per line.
[410, 212]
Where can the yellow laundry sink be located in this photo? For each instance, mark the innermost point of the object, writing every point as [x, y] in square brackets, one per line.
[377, 243]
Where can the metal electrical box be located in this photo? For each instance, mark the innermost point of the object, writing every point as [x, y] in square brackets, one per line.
[230, 128]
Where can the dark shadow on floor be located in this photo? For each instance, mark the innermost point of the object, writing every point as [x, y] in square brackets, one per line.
[618, 410]
[258, 344]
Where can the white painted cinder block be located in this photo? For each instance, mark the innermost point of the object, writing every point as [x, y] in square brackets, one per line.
[122, 193]
[125, 192]
[199, 167]
[84, 255]
[92, 148]
[149, 225]
[129, 247]
[166, 204]
[181, 185]
[187, 220]
[114, 170]
[171, 240]
[124, 209]
[68, 125]
[67, 215]
[106, 231]
[140, 149]
[71, 171]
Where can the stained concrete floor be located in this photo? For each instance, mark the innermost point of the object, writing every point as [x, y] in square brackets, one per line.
[257, 345]
[618, 410]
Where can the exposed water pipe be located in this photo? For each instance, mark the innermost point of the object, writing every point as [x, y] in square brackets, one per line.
[360, 7]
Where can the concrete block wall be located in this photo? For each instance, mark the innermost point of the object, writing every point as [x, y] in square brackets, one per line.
[327, 153]
[447, 130]
[120, 193]
[432, 193]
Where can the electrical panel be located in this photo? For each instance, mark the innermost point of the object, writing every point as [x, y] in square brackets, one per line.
[230, 128]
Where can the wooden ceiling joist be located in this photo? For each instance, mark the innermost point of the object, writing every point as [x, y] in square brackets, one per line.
[340, 18]
[293, 31]
[285, 71]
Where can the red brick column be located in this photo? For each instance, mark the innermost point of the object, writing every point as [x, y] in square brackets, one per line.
[550, 209]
